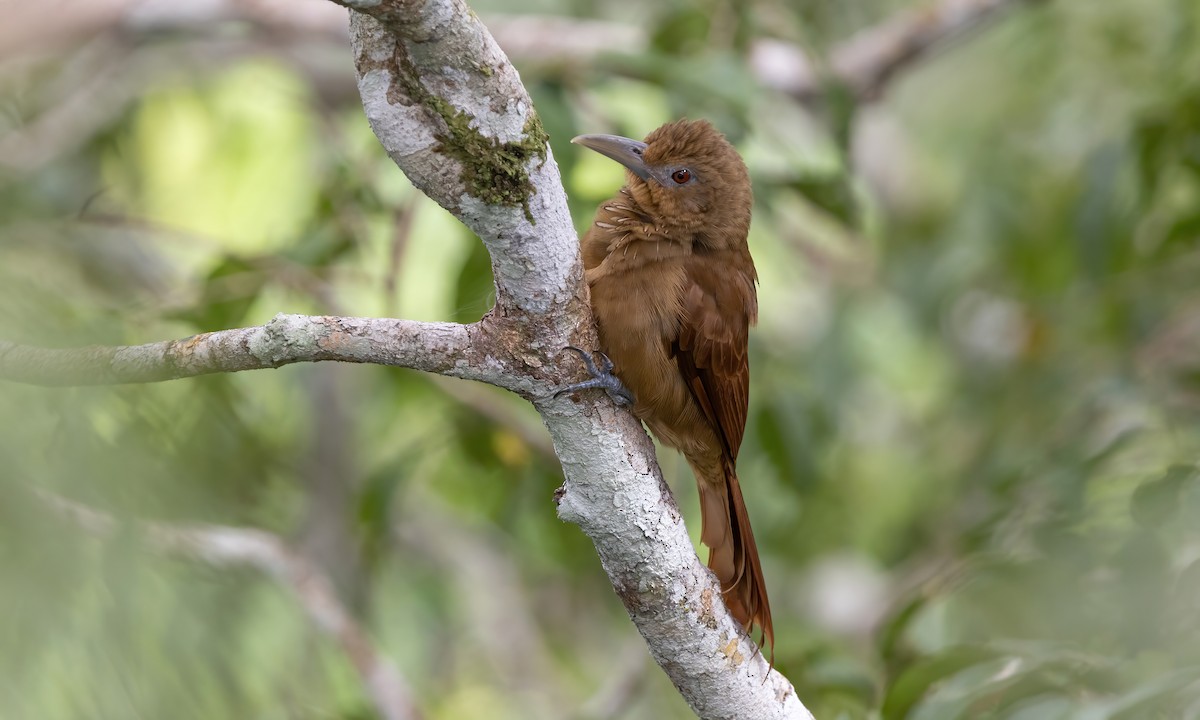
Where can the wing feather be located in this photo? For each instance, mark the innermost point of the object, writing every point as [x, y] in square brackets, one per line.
[712, 347]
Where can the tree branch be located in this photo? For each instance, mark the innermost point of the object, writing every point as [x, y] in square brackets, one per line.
[452, 113]
[230, 546]
[443, 348]
[450, 110]
[870, 59]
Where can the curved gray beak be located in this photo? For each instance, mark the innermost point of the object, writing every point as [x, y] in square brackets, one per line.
[622, 149]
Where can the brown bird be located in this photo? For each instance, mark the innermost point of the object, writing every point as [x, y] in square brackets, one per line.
[672, 286]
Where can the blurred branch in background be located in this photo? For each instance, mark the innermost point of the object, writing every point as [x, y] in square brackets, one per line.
[500, 622]
[32, 32]
[312, 589]
[401, 234]
[627, 680]
[492, 405]
[121, 55]
[107, 75]
[866, 62]
[330, 476]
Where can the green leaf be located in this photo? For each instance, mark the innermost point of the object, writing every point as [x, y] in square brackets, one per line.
[892, 634]
[832, 193]
[1146, 698]
[914, 682]
[229, 291]
[1157, 502]
[682, 32]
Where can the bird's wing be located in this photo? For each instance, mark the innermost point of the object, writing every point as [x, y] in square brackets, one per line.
[718, 308]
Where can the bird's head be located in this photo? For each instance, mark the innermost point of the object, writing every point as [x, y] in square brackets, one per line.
[688, 176]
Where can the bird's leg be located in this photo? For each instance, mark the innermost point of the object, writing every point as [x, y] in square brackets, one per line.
[602, 377]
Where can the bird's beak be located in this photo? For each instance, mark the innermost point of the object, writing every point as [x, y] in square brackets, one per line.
[622, 149]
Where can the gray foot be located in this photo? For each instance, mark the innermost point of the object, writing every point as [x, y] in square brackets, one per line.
[602, 378]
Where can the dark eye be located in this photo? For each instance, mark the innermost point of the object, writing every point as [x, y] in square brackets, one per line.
[681, 176]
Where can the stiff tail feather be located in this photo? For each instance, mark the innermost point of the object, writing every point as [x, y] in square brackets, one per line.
[733, 555]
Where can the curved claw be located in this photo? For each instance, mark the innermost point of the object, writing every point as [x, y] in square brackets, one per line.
[602, 378]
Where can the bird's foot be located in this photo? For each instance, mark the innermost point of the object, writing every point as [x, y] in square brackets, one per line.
[600, 368]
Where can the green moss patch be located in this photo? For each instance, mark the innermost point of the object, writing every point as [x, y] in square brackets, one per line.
[492, 171]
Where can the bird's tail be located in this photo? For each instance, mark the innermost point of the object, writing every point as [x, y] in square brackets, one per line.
[733, 556]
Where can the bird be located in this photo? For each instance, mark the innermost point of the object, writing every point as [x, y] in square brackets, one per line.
[672, 288]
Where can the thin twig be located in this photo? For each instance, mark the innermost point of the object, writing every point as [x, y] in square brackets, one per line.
[231, 546]
[621, 688]
[402, 225]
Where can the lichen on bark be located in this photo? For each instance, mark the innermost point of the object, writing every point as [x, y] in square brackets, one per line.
[493, 171]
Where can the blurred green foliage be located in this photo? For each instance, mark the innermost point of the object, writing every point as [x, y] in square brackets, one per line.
[972, 452]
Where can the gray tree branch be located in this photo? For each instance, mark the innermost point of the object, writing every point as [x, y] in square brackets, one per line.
[231, 546]
[443, 348]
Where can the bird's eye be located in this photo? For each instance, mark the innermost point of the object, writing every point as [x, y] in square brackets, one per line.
[681, 176]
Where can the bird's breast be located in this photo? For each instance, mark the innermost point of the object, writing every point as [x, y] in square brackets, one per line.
[642, 303]
[638, 312]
